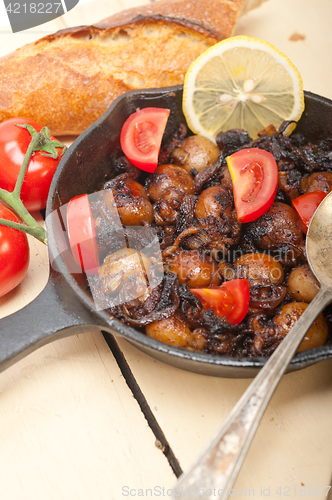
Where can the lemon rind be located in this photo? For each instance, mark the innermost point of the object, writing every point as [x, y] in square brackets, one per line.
[218, 50]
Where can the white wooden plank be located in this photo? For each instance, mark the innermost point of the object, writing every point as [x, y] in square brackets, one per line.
[70, 428]
[57, 404]
[293, 444]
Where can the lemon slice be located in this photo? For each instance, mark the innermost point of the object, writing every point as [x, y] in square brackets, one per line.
[241, 82]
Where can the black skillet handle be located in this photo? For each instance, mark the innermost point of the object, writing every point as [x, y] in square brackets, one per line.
[54, 314]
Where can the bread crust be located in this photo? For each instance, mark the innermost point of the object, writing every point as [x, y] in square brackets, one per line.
[68, 79]
[216, 17]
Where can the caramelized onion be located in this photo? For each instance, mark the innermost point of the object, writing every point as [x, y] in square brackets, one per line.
[205, 175]
[171, 286]
[266, 297]
[186, 232]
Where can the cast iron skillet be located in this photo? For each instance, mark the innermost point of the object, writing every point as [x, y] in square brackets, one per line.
[65, 307]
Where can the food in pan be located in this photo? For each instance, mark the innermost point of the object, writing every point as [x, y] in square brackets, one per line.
[221, 211]
[68, 79]
[208, 259]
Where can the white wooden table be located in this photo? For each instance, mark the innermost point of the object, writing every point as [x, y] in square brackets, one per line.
[70, 427]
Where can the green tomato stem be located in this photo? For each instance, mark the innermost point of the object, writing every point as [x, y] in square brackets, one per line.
[32, 146]
[37, 231]
[13, 201]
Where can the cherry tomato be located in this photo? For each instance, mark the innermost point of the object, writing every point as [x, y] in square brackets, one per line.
[141, 137]
[82, 234]
[255, 179]
[231, 299]
[14, 253]
[14, 142]
[306, 206]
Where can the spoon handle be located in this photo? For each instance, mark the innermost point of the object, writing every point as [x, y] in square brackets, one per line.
[217, 467]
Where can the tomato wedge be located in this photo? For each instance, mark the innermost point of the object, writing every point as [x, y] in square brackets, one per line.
[141, 137]
[82, 234]
[306, 205]
[231, 299]
[254, 174]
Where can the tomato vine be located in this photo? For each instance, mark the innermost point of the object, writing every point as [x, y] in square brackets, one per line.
[40, 141]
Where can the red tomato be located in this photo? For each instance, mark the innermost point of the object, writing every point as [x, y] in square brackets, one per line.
[255, 179]
[82, 234]
[306, 206]
[231, 299]
[14, 253]
[14, 142]
[141, 137]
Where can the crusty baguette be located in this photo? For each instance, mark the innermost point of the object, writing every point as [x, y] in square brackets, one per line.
[67, 80]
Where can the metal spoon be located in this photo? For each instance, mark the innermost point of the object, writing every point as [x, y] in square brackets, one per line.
[216, 469]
